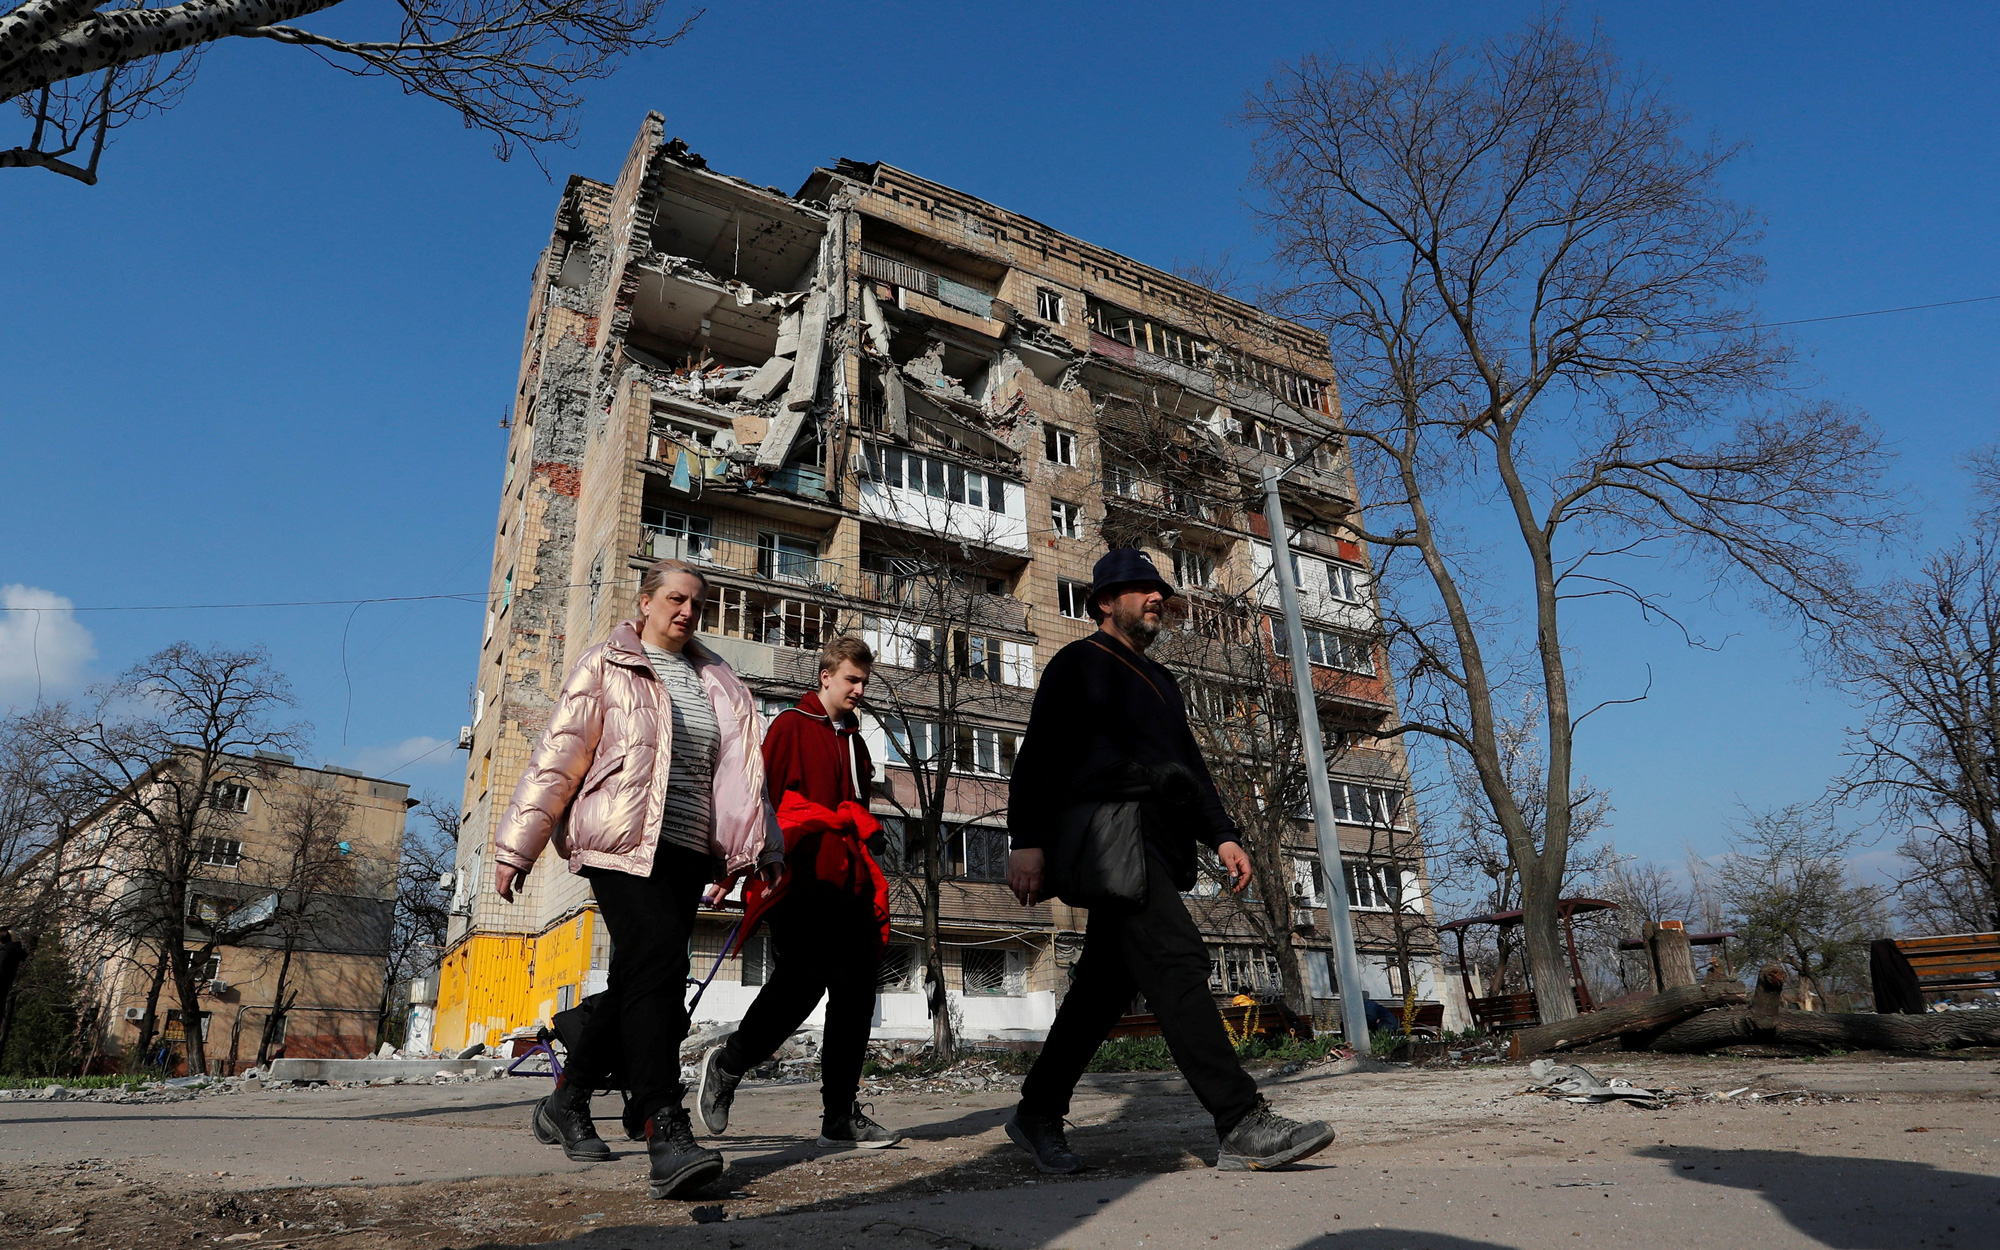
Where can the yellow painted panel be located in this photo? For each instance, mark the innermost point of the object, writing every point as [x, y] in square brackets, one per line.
[492, 984]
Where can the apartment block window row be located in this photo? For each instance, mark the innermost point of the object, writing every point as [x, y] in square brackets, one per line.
[969, 852]
[1328, 577]
[914, 742]
[1243, 970]
[1194, 570]
[1377, 887]
[1148, 335]
[1328, 648]
[1357, 803]
[731, 612]
[218, 852]
[939, 479]
[983, 657]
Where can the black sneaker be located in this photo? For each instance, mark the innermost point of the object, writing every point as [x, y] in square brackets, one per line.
[1043, 1138]
[1264, 1139]
[855, 1131]
[680, 1166]
[564, 1117]
[715, 1092]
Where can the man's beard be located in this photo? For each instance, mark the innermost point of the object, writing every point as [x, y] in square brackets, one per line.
[1137, 626]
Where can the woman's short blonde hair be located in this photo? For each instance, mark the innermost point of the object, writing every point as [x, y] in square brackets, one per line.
[659, 571]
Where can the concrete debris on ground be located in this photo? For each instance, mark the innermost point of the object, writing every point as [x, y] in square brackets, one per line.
[1572, 1082]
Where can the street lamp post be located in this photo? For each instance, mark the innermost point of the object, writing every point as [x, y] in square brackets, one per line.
[1353, 1009]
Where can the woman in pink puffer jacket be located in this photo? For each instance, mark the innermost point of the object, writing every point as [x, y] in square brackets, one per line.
[649, 780]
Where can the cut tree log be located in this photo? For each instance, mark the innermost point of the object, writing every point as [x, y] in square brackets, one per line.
[1766, 1022]
[1653, 1012]
[1673, 958]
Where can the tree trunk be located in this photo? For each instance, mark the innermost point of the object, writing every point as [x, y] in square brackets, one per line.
[1818, 1030]
[1547, 961]
[184, 986]
[936, 997]
[1658, 1011]
[149, 1027]
[275, 1021]
[1672, 956]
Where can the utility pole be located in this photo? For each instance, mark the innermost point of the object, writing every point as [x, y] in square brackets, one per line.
[1333, 878]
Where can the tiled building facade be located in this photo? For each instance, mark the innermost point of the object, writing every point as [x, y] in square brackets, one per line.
[883, 406]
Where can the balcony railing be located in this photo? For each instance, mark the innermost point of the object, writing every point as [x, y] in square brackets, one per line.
[918, 594]
[771, 563]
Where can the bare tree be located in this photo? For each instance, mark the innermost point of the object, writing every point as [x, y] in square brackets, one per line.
[423, 905]
[80, 69]
[1532, 286]
[942, 688]
[160, 752]
[1924, 654]
[1791, 901]
[308, 866]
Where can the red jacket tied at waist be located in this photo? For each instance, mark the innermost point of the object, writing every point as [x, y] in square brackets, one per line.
[826, 846]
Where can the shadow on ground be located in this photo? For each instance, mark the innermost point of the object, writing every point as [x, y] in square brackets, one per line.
[1852, 1202]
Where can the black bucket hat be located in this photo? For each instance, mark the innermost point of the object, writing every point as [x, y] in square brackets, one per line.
[1123, 567]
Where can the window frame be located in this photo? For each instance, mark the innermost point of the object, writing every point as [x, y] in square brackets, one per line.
[1059, 445]
[1065, 518]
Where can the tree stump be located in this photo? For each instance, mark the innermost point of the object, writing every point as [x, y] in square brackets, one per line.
[1672, 956]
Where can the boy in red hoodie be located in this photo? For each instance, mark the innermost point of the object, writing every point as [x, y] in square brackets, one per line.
[829, 918]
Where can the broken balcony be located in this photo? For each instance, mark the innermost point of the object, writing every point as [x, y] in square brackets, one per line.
[781, 559]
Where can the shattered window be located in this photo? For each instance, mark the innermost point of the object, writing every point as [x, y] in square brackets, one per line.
[1058, 445]
[220, 852]
[985, 971]
[232, 796]
[1073, 598]
[1066, 519]
[1049, 305]
[899, 970]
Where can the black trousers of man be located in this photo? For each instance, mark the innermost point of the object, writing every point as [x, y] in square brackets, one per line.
[1153, 950]
[642, 1019]
[827, 943]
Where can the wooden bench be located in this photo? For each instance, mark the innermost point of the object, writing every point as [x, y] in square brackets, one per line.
[1265, 1020]
[1906, 970]
[1499, 1012]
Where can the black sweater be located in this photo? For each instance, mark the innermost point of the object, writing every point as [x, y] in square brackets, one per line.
[1101, 706]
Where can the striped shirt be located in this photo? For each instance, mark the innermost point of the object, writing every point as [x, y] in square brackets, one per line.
[689, 816]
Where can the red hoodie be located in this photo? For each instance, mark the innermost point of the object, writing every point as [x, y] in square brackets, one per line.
[818, 774]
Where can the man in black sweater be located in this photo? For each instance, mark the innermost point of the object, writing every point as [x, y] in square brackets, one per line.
[1107, 719]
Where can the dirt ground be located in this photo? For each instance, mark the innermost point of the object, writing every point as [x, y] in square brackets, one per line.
[455, 1167]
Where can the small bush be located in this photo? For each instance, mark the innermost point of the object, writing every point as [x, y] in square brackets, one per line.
[1132, 1054]
[70, 1082]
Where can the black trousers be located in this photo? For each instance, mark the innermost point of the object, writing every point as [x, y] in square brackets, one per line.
[642, 1019]
[826, 944]
[1156, 951]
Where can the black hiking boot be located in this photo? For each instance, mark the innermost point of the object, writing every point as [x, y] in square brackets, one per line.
[1264, 1139]
[680, 1167]
[855, 1131]
[564, 1118]
[633, 1120]
[715, 1092]
[1043, 1139]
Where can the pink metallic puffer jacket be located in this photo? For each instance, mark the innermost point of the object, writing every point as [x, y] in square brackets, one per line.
[597, 783]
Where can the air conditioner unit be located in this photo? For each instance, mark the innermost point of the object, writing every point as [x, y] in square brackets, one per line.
[218, 986]
[860, 463]
[135, 1013]
[465, 737]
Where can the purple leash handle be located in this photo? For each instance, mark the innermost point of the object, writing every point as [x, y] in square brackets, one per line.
[701, 986]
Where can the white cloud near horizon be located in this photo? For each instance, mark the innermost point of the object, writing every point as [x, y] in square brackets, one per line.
[43, 647]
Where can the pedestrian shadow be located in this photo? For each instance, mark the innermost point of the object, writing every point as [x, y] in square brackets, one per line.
[1396, 1239]
[1851, 1202]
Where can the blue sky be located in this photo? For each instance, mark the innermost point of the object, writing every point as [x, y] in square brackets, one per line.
[266, 357]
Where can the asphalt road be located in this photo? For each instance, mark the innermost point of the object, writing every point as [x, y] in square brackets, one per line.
[1873, 1153]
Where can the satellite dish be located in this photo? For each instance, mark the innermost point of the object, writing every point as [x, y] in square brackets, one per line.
[248, 917]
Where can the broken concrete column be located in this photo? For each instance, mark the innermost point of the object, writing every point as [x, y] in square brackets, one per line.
[765, 382]
[874, 322]
[812, 345]
[896, 405]
[788, 333]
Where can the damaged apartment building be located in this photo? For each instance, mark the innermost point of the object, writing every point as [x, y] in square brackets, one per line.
[885, 407]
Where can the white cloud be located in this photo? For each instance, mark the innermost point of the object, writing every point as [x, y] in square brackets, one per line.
[42, 653]
[380, 761]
